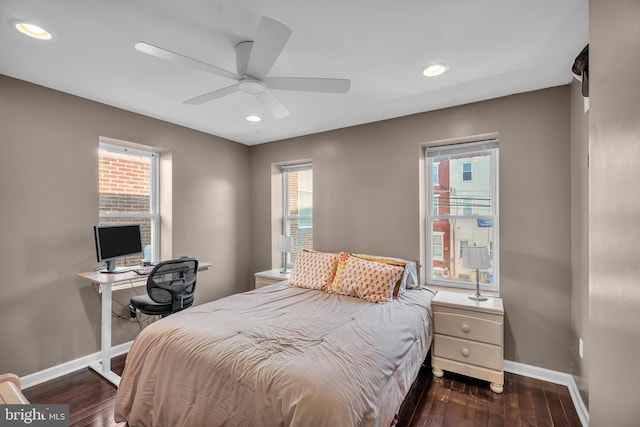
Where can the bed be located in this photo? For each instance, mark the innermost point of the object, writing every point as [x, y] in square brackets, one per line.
[277, 356]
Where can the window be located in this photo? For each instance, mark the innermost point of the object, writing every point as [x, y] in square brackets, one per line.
[438, 245]
[298, 207]
[128, 194]
[466, 172]
[467, 206]
[466, 212]
[436, 178]
[461, 245]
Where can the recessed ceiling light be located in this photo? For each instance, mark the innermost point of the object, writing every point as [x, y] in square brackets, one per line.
[253, 118]
[32, 30]
[435, 69]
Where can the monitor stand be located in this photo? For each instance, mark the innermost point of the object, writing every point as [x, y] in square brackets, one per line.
[112, 269]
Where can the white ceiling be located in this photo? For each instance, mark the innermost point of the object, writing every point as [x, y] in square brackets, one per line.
[493, 47]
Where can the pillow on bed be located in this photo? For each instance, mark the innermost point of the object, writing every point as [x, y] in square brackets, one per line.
[408, 280]
[369, 280]
[410, 275]
[314, 270]
[399, 287]
[341, 269]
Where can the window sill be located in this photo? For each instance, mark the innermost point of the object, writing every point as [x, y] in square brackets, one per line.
[495, 294]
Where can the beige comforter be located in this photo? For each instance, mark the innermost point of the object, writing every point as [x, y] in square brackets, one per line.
[277, 356]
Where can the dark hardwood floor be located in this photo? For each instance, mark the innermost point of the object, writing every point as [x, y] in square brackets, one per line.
[448, 401]
[455, 400]
[90, 397]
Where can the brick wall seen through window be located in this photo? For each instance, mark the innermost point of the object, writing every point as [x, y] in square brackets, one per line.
[125, 188]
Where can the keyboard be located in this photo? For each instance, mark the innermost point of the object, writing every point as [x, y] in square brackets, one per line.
[143, 271]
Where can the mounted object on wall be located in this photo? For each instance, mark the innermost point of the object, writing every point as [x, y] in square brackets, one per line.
[580, 70]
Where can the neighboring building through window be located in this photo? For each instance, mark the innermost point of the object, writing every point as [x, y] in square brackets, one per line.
[461, 245]
[128, 194]
[463, 210]
[467, 206]
[467, 171]
[438, 245]
[298, 207]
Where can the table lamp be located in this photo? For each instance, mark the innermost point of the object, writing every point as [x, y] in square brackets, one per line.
[476, 257]
[284, 245]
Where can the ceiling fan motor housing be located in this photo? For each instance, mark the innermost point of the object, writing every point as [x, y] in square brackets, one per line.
[251, 85]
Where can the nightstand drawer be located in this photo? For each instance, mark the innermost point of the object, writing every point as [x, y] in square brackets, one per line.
[475, 353]
[468, 327]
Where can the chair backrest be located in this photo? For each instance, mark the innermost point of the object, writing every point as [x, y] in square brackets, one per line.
[173, 281]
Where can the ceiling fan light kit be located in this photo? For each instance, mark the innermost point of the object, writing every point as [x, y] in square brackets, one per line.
[254, 60]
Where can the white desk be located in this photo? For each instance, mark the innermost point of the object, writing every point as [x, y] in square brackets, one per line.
[106, 281]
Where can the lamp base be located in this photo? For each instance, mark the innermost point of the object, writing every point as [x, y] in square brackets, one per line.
[477, 296]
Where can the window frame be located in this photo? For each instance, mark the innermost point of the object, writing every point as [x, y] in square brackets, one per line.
[431, 153]
[286, 208]
[154, 202]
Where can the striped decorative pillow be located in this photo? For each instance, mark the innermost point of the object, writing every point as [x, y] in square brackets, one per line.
[341, 269]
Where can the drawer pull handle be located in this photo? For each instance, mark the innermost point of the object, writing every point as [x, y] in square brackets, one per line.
[465, 352]
[465, 328]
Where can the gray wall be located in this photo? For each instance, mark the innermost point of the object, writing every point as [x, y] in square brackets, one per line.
[367, 192]
[579, 238]
[365, 178]
[49, 189]
[614, 213]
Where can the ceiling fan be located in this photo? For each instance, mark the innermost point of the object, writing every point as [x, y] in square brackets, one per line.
[254, 60]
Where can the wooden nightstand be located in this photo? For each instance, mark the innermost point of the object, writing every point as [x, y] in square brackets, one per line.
[469, 337]
[269, 277]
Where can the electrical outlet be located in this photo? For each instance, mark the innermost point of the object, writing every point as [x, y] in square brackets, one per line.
[581, 348]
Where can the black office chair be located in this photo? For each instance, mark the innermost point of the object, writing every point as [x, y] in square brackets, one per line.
[170, 288]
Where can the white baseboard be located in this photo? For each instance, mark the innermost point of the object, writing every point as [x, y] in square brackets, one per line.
[69, 367]
[552, 377]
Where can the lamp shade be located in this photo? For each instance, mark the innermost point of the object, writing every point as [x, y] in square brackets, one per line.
[284, 244]
[476, 257]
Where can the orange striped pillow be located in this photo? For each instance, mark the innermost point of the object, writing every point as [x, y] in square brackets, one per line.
[341, 269]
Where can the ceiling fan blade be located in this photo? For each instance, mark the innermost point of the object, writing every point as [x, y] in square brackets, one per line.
[274, 105]
[167, 55]
[269, 42]
[211, 95]
[309, 84]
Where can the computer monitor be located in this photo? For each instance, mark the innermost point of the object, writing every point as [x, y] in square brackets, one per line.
[116, 241]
